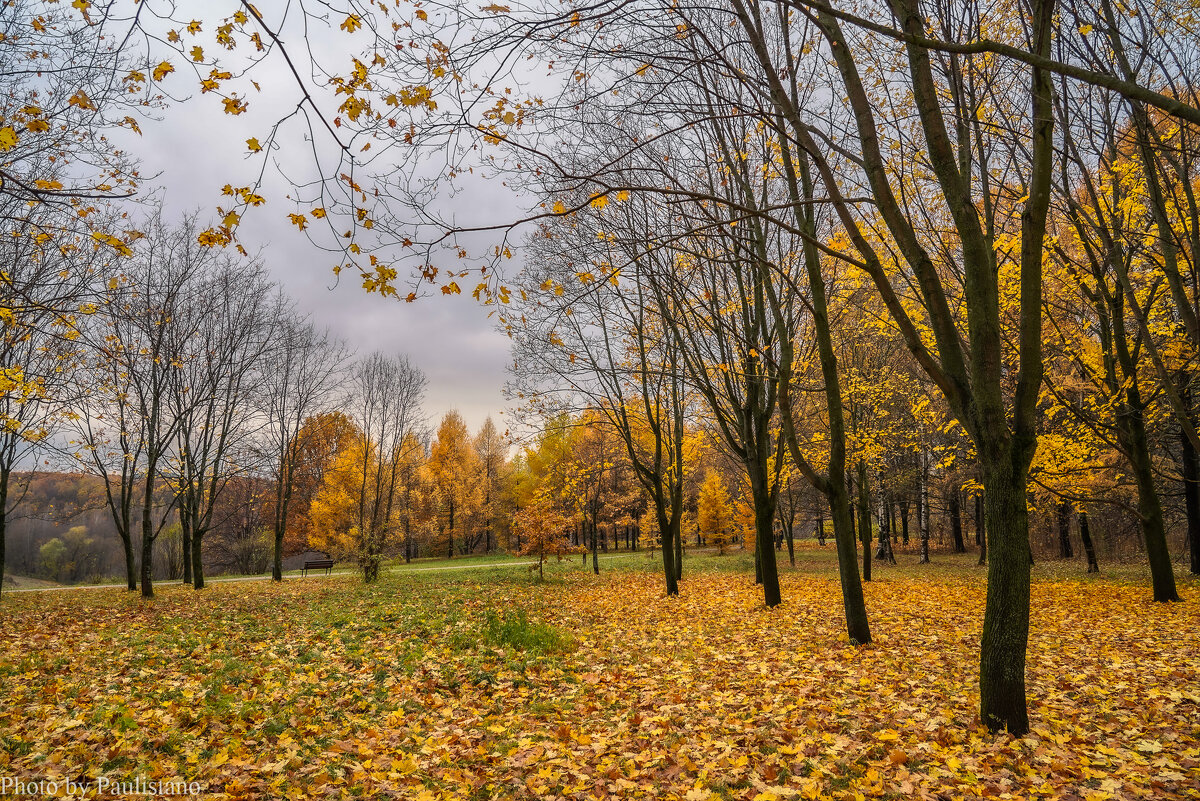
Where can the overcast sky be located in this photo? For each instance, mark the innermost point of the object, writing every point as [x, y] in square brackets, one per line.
[196, 149]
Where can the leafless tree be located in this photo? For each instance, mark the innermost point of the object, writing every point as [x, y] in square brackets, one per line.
[305, 375]
[387, 410]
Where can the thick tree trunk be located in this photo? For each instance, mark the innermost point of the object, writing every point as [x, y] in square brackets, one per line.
[665, 526]
[185, 528]
[764, 522]
[1085, 534]
[924, 545]
[277, 557]
[148, 535]
[279, 529]
[1162, 575]
[1065, 551]
[857, 626]
[1006, 616]
[196, 558]
[956, 528]
[131, 572]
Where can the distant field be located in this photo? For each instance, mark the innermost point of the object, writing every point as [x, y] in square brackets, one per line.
[479, 683]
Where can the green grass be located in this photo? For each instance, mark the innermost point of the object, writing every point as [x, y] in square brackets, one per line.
[514, 630]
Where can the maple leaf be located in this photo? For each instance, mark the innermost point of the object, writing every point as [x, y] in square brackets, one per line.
[81, 100]
[234, 105]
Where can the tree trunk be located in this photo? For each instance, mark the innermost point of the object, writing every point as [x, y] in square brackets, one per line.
[130, 560]
[197, 560]
[148, 535]
[904, 521]
[595, 549]
[864, 519]
[4, 476]
[885, 533]
[1006, 616]
[1162, 574]
[857, 626]
[1191, 493]
[1085, 534]
[185, 528]
[1065, 551]
[668, 553]
[981, 531]
[679, 552]
[983, 549]
[891, 531]
[956, 528]
[821, 529]
[923, 510]
[978, 518]
[791, 546]
[277, 556]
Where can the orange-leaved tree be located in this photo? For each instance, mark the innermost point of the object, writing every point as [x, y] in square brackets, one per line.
[544, 531]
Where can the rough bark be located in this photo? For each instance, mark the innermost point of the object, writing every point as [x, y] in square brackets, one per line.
[1006, 624]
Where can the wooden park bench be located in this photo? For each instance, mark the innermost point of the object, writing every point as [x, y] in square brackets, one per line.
[318, 564]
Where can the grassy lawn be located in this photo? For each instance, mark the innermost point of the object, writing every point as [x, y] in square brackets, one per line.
[481, 683]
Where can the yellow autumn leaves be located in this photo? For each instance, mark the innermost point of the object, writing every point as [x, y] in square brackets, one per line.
[707, 696]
